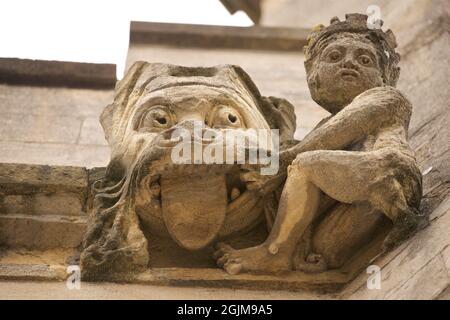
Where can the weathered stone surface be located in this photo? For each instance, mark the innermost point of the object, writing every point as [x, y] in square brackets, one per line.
[446, 257]
[444, 295]
[397, 269]
[41, 128]
[209, 277]
[19, 290]
[30, 272]
[42, 207]
[433, 273]
[41, 121]
[41, 232]
[26, 179]
[92, 133]
[55, 154]
[43, 204]
[50, 101]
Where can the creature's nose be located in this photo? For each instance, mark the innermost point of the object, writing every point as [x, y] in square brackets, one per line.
[194, 128]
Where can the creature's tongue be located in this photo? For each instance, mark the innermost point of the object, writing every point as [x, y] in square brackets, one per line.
[194, 208]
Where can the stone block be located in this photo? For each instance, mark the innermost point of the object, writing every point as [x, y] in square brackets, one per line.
[50, 101]
[24, 178]
[54, 154]
[39, 128]
[30, 272]
[42, 190]
[41, 232]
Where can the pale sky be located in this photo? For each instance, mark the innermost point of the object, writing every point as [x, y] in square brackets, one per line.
[94, 30]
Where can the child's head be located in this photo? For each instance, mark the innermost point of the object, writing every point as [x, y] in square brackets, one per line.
[346, 59]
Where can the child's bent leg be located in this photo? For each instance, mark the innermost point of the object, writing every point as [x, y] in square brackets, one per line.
[337, 173]
[296, 210]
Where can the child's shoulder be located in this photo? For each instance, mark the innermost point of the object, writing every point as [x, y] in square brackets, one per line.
[384, 94]
[323, 121]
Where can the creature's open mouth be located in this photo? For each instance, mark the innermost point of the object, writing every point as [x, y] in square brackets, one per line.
[194, 202]
[349, 74]
[236, 188]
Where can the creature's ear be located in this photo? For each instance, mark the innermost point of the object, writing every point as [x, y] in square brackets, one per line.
[123, 90]
[280, 114]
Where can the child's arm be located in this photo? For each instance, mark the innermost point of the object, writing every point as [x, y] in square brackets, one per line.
[370, 111]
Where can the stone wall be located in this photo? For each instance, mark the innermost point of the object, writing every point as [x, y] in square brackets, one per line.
[42, 207]
[49, 112]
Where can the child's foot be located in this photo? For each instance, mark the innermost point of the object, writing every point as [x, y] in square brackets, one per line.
[255, 259]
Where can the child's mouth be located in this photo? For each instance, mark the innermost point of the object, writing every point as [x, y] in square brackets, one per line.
[349, 74]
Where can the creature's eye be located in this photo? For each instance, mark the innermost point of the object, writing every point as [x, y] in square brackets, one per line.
[365, 60]
[334, 56]
[225, 117]
[156, 118]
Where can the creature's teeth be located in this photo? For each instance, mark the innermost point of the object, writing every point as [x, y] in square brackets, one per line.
[235, 193]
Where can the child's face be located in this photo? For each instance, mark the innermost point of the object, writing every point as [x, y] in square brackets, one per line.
[345, 68]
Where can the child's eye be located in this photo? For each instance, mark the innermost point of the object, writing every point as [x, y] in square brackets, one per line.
[365, 60]
[334, 56]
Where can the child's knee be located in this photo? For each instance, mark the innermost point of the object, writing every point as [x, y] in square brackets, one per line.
[300, 166]
[306, 159]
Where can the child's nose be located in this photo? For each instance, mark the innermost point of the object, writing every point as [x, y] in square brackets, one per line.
[348, 62]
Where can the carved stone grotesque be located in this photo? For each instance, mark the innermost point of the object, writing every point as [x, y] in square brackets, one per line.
[145, 194]
[354, 178]
[349, 185]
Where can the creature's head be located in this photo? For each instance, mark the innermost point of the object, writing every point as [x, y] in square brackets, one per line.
[195, 203]
[347, 58]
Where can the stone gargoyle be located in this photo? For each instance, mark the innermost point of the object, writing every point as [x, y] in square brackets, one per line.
[353, 180]
[145, 194]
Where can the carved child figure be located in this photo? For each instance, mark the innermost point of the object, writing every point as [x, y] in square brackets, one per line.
[354, 175]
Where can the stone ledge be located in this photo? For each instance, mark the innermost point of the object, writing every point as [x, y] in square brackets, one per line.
[55, 153]
[17, 178]
[41, 232]
[57, 73]
[209, 277]
[188, 35]
[31, 272]
[42, 190]
[181, 277]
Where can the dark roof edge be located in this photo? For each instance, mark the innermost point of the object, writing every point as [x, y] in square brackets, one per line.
[251, 7]
[208, 36]
[57, 73]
